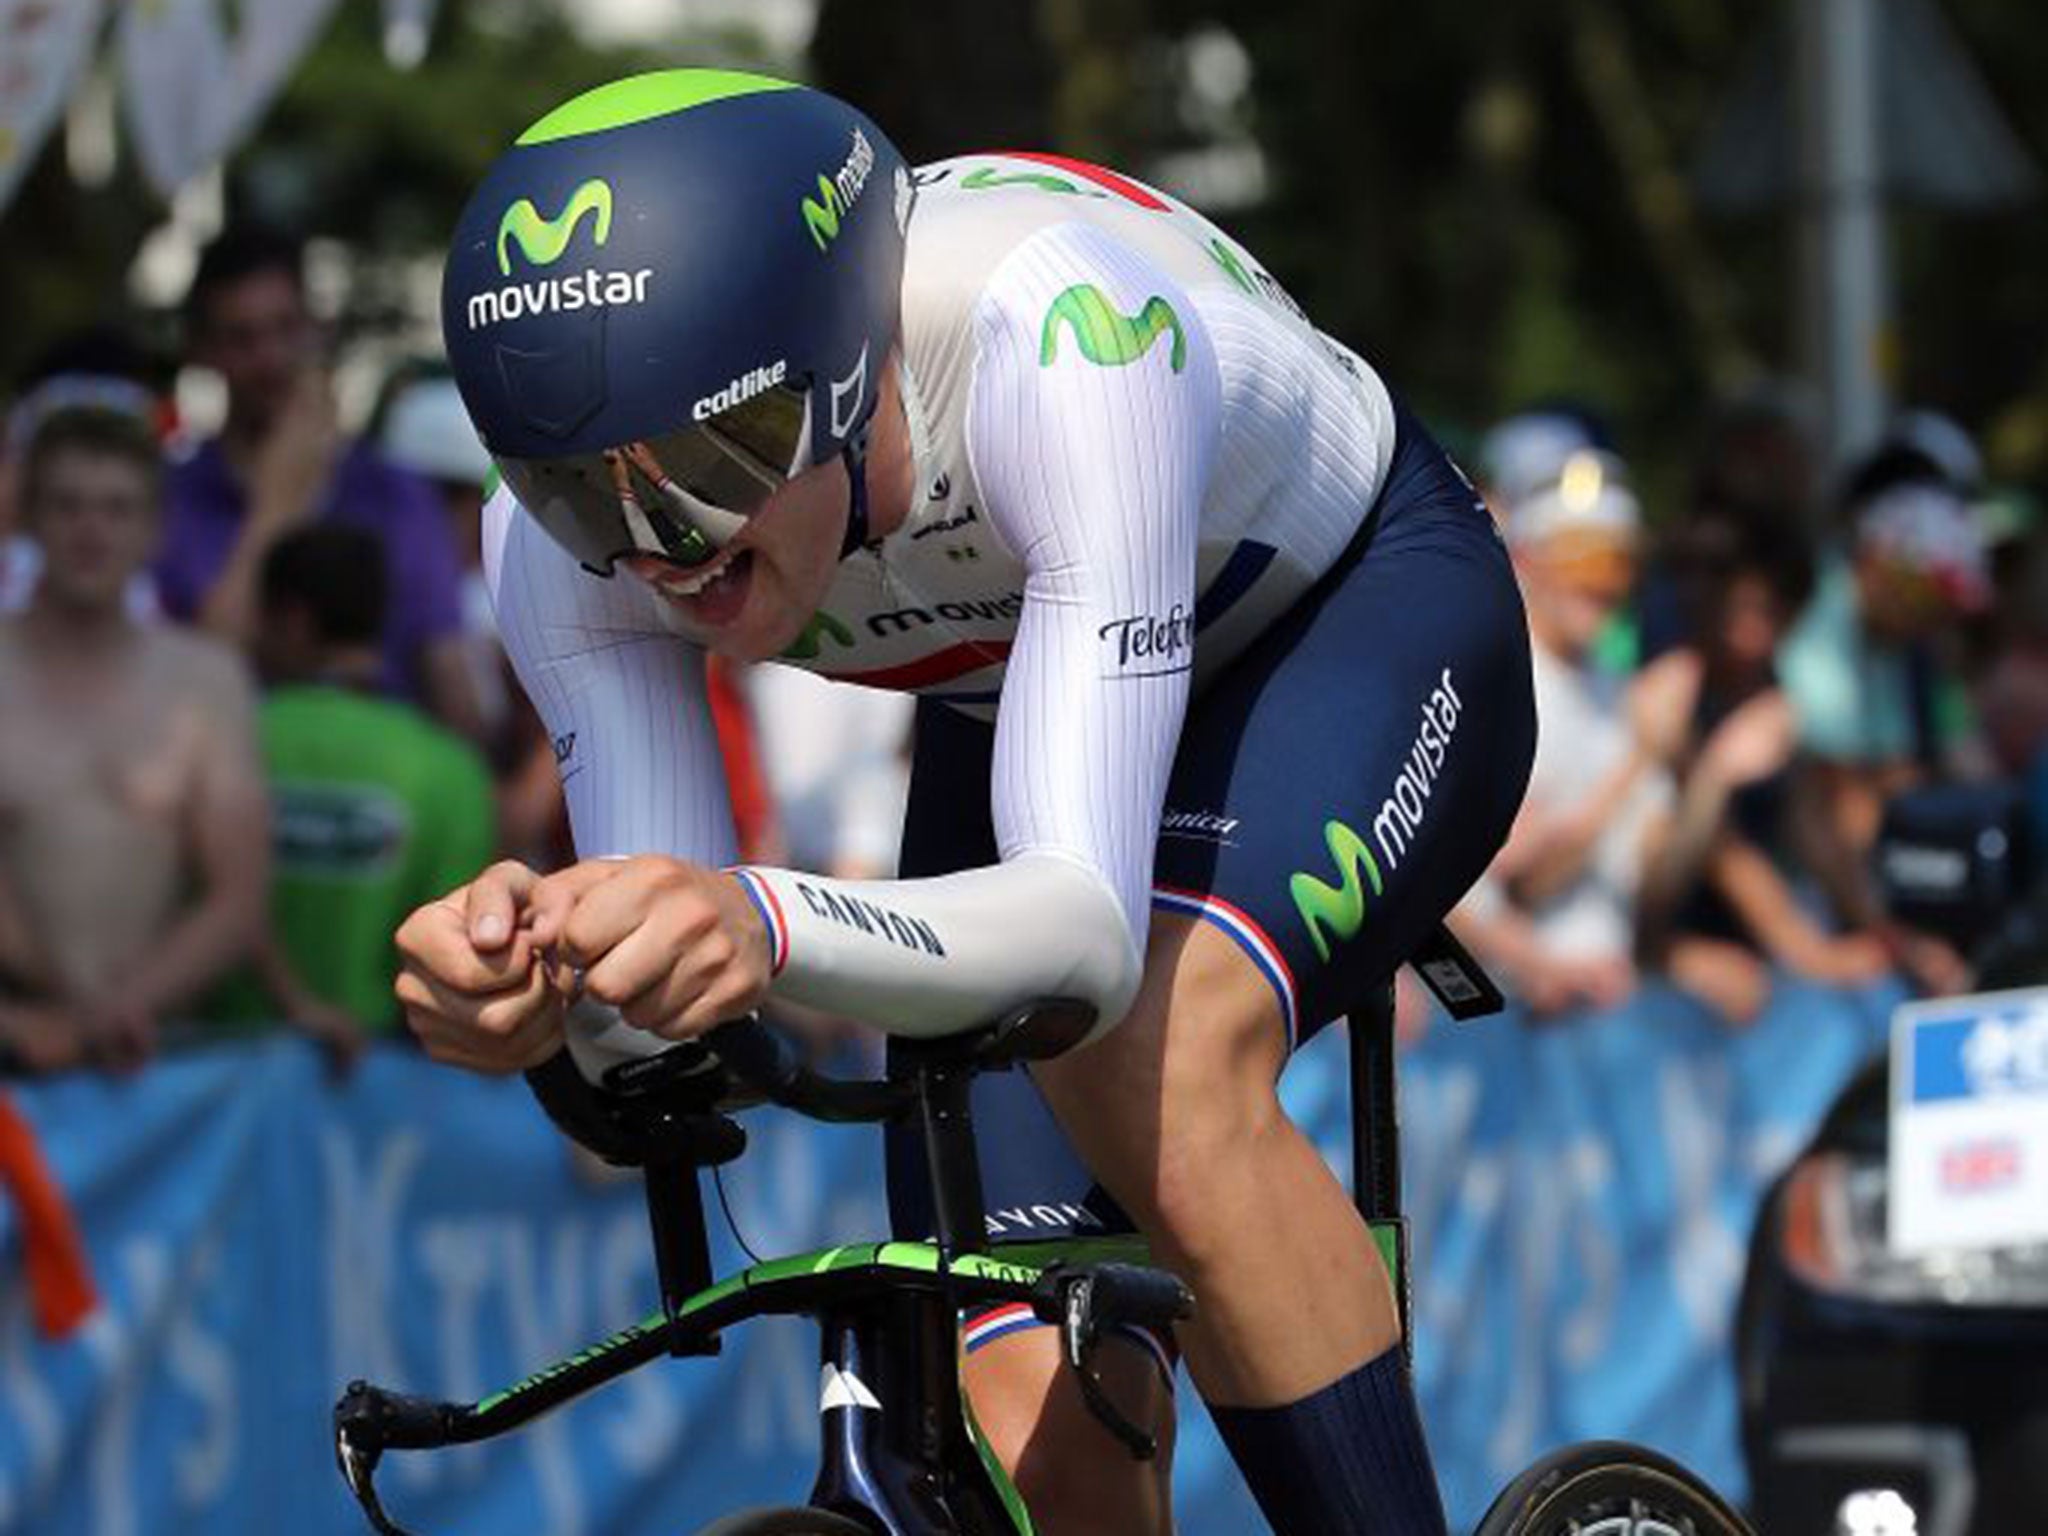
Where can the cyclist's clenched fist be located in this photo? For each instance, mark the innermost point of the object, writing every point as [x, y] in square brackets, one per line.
[471, 979]
[676, 948]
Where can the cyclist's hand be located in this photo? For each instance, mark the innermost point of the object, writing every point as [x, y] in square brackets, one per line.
[675, 947]
[469, 977]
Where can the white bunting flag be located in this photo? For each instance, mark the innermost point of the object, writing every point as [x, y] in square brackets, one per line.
[44, 46]
[193, 89]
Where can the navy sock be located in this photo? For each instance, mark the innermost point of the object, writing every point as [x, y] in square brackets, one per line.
[1349, 1460]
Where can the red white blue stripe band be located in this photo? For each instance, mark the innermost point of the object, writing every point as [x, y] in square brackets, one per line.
[1016, 1316]
[1248, 936]
[762, 894]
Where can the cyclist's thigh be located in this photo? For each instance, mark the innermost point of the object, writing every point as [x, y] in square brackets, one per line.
[1346, 780]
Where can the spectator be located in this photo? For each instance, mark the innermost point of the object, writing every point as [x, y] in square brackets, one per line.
[281, 462]
[98, 367]
[1753, 485]
[132, 822]
[423, 427]
[1878, 703]
[378, 808]
[1558, 907]
[1717, 906]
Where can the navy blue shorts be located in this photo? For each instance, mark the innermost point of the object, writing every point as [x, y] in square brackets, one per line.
[1338, 788]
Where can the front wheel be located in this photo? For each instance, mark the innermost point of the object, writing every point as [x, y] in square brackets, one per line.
[785, 1521]
[1609, 1488]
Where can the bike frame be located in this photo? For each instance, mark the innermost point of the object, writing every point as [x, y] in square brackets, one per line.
[898, 1444]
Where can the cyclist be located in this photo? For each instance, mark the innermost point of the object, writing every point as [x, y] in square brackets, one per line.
[1224, 699]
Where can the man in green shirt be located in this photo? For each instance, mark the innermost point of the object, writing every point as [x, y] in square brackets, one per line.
[377, 808]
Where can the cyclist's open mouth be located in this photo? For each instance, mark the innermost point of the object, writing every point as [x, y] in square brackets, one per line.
[712, 594]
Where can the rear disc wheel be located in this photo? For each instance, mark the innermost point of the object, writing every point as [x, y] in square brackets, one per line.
[1609, 1488]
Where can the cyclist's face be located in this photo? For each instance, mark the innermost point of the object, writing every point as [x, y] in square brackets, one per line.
[752, 601]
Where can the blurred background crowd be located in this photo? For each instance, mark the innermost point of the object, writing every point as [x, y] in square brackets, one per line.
[1782, 558]
[240, 499]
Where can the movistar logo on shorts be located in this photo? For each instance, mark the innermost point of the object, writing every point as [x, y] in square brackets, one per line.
[836, 194]
[742, 389]
[1338, 911]
[543, 242]
[1107, 337]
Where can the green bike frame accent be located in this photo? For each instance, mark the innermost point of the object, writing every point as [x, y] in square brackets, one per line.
[1325, 908]
[1107, 337]
[639, 98]
[542, 241]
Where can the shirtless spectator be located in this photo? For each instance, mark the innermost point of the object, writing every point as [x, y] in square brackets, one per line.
[133, 828]
[281, 462]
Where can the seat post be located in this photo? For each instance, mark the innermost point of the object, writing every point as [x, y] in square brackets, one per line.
[946, 1123]
[1375, 1109]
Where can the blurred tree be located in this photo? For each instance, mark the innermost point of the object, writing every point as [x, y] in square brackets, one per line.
[940, 78]
[1490, 202]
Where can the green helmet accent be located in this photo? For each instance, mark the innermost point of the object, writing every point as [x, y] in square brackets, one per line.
[641, 97]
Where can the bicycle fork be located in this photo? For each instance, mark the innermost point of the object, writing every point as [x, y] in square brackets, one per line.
[896, 1446]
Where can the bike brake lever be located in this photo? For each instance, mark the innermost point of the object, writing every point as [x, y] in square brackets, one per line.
[360, 1420]
[359, 1471]
[1080, 1332]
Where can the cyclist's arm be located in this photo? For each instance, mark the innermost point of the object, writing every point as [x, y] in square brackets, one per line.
[622, 696]
[1093, 472]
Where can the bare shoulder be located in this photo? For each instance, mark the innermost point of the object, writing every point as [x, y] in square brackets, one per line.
[195, 664]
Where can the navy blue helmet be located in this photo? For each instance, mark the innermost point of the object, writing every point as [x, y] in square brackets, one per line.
[670, 295]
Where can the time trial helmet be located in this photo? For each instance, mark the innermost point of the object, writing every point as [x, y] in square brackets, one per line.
[672, 294]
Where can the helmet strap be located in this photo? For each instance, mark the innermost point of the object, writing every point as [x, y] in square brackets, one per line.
[855, 457]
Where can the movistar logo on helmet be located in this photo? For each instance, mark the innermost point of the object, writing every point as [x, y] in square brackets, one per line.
[1107, 337]
[838, 193]
[543, 242]
[741, 390]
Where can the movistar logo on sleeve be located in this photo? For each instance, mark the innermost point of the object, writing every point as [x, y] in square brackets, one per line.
[838, 193]
[542, 241]
[1336, 909]
[1107, 337]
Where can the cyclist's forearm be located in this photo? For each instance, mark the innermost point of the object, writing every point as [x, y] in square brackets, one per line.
[926, 957]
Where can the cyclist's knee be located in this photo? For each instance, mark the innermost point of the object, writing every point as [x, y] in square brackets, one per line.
[1184, 1087]
[1077, 1479]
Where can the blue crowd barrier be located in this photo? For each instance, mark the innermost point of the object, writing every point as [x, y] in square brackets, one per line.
[1581, 1194]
